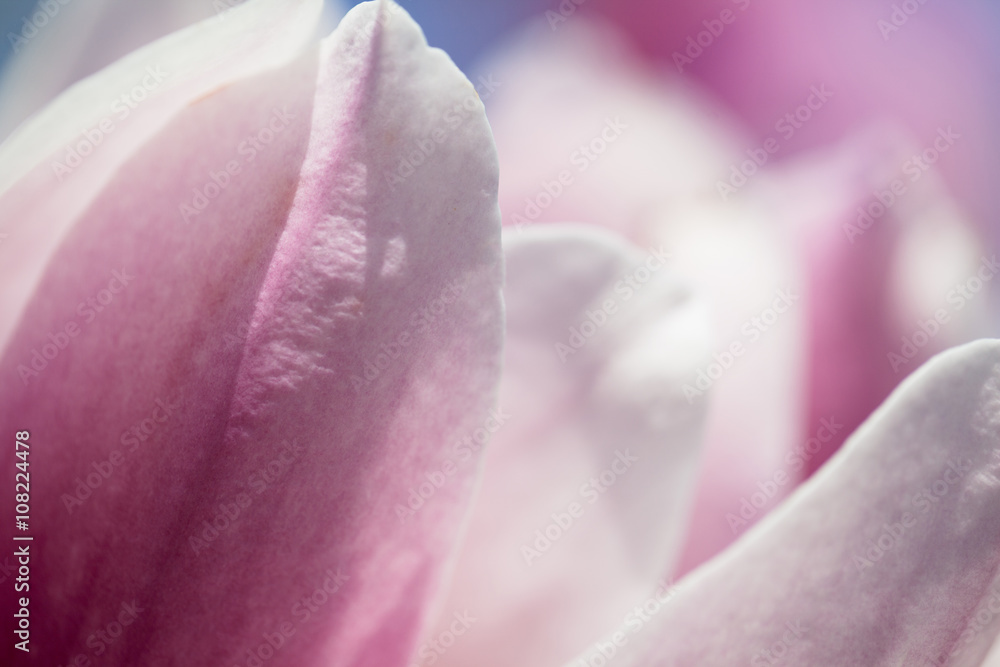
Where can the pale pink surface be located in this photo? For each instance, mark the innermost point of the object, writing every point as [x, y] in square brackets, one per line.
[745, 267]
[932, 71]
[656, 184]
[874, 280]
[919, 70]
[812, 577]
[269, 335]
[310, 262]
[610, 409]
[197, 61]
[80, 38]
[861, 291]
[656, 144]
[824, 361]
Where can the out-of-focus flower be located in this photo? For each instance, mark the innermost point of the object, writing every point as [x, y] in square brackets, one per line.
[588, 483]
[586, 132]
[237, 341]
[59, 42]
[888, 556]
[918, 68]
[254, 328]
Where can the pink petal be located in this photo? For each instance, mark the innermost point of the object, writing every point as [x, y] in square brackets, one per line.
[658, 183]
[861, 291]
[313, 340]
[992, 659]
[877, 281]
[885, 557]
[744, 264]
[597, 442]
[43, 190]
[586, 133]
[77, 39]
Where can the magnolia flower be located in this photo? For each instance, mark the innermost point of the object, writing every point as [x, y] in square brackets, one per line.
[194, 297]
[816, 302]
[586, 133]
[253, 361]
[888, 556]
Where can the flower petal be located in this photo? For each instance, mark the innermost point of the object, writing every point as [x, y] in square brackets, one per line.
[884, 557]
[744, 265]
[63, 42]
[881, 277]
[587, 134]
[277, 374]
[599, 441]
[57, 162]
[659, 181]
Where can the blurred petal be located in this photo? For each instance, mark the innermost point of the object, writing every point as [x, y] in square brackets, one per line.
[77, 39]
[585, 133]
[259, 502]
[883, 558]
[55, 165]
[993, 658]
[929, 64]
[560, 96]
[745, 265]
[599, 441]
[885, 255]
[864, 286]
